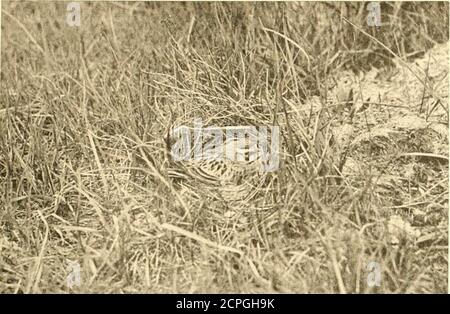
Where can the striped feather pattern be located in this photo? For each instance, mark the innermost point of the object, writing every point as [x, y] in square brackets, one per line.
[233, 180]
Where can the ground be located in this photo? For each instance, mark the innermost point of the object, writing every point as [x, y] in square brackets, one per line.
[86, 178]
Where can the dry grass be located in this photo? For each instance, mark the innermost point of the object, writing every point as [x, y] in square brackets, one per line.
[84, 168]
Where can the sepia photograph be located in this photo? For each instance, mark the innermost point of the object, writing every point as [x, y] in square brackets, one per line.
[224, 148]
